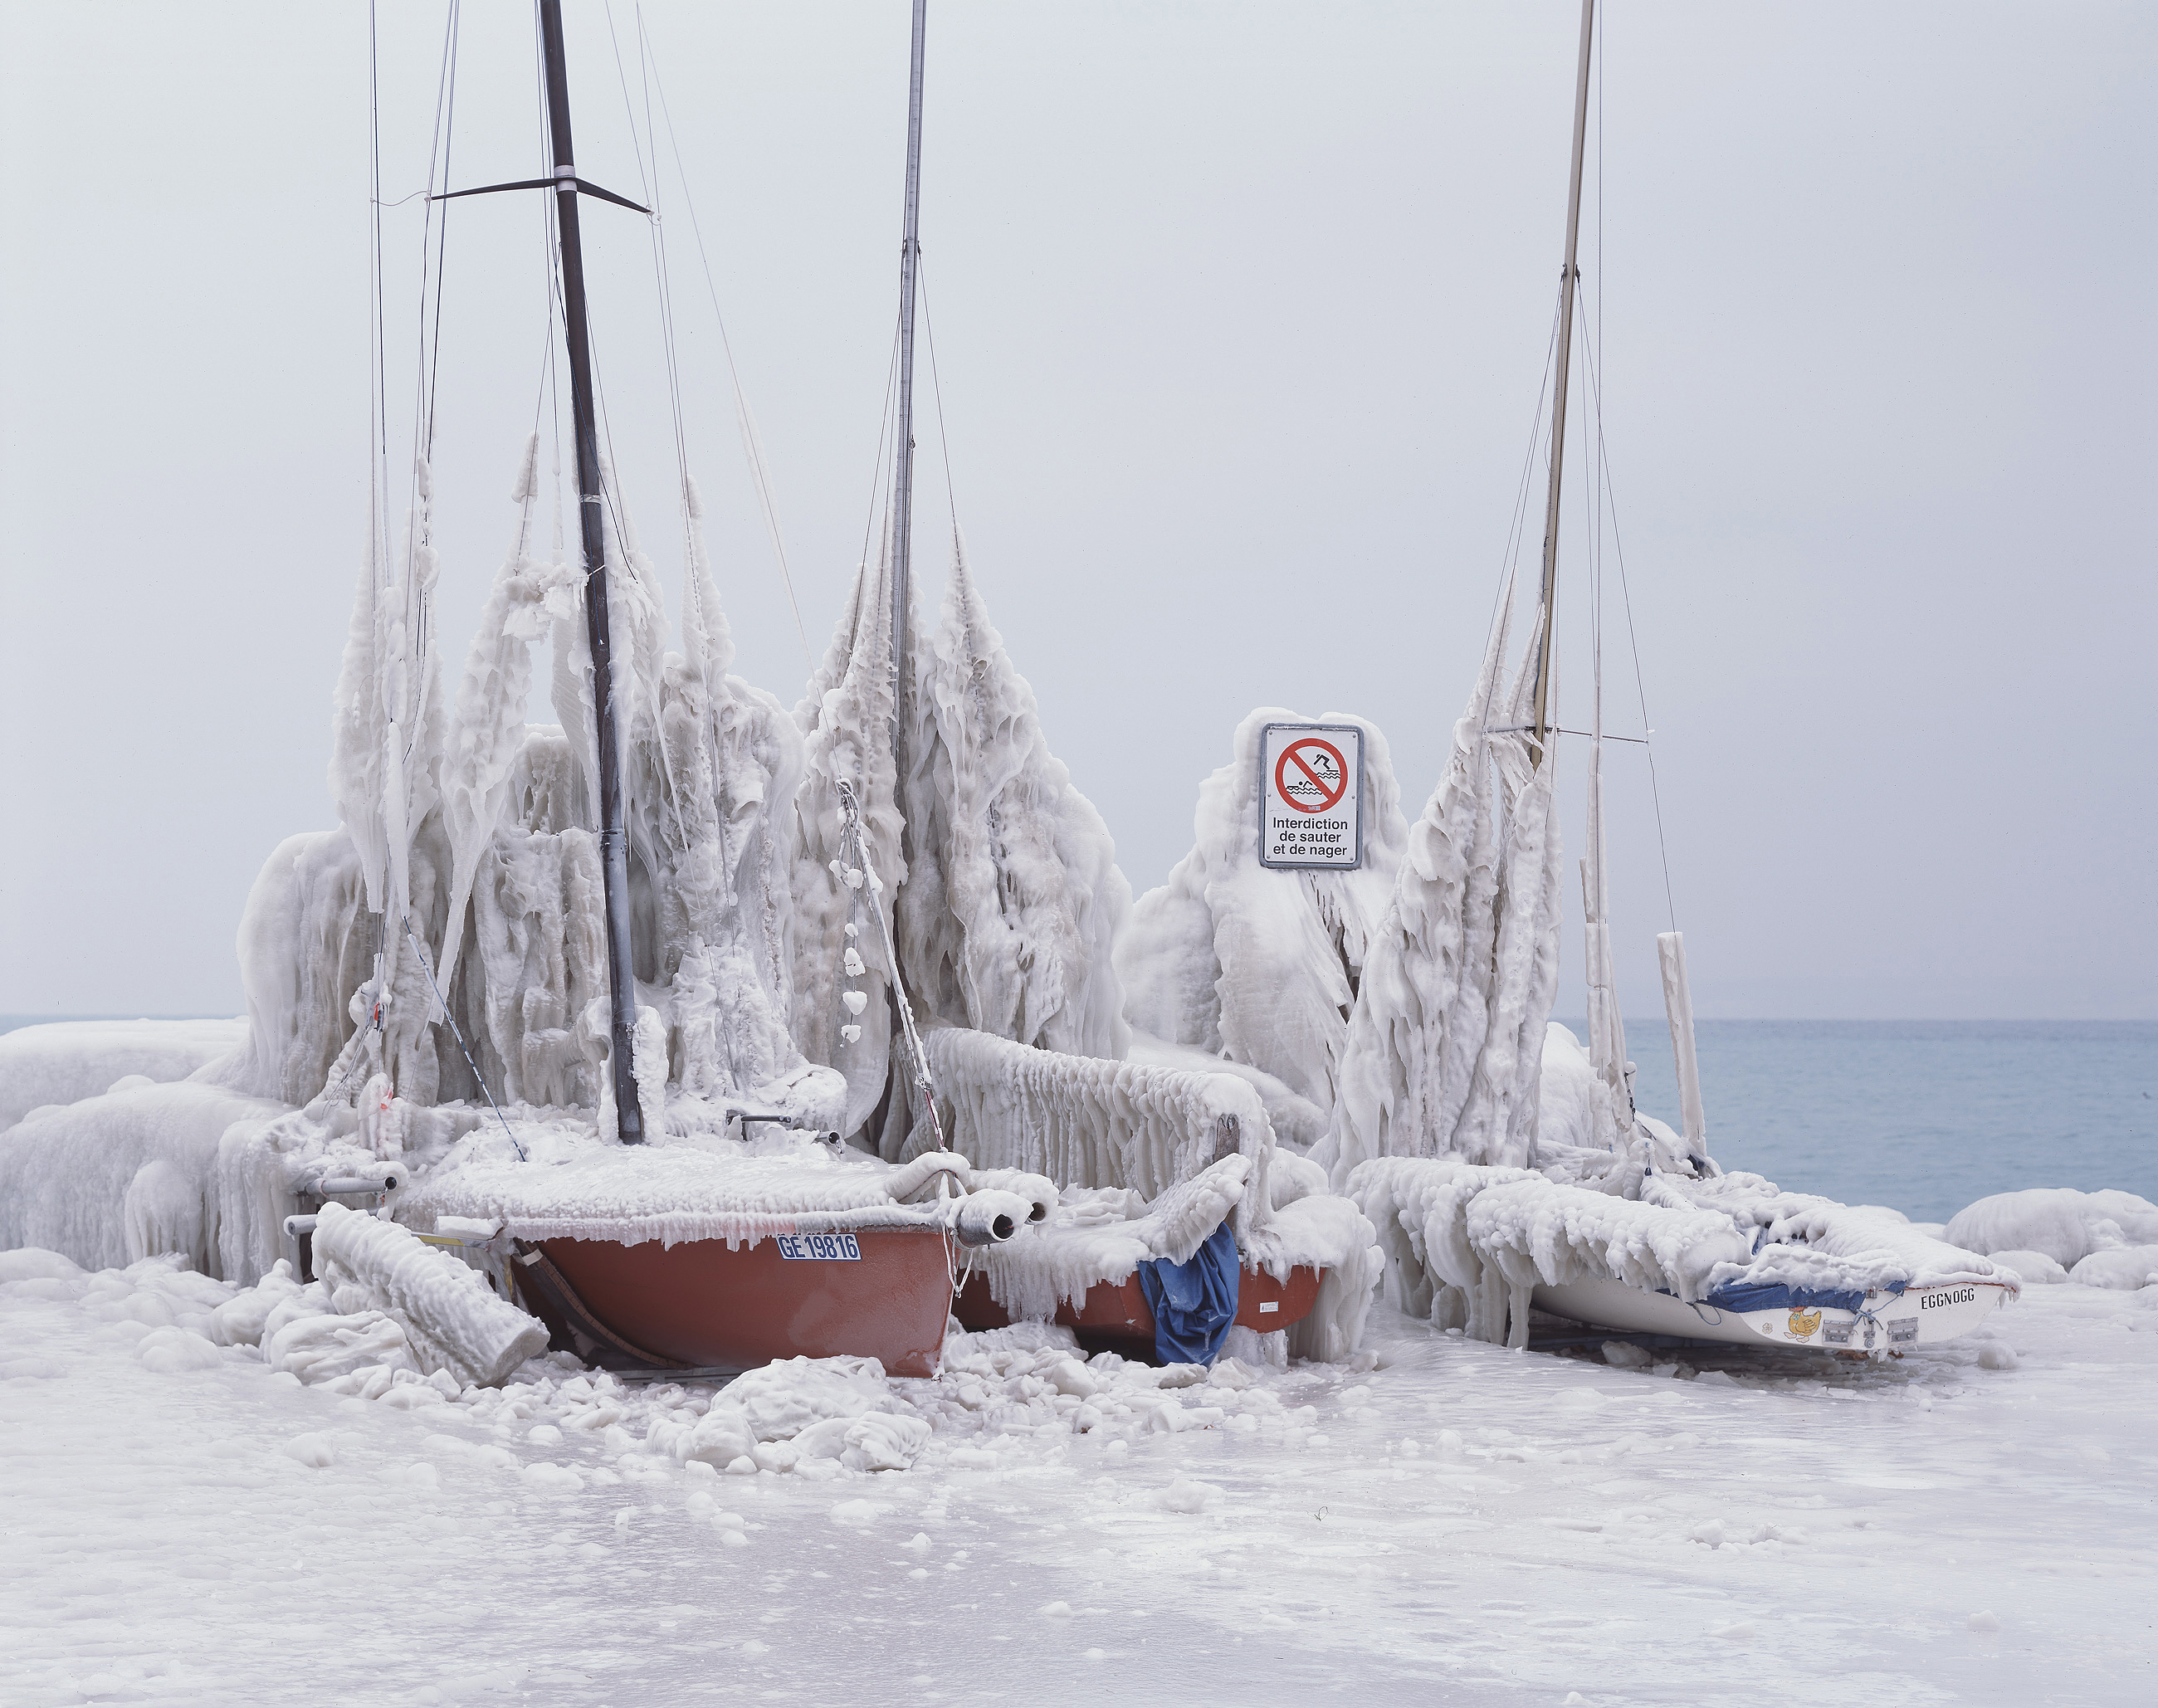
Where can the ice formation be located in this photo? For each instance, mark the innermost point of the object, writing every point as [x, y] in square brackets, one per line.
[1152, 1160]
[712, 1190]
[1012, 901]
[69, 1177]
[1256, 966]
[2063, 1224]
[1466, 1244]
[1085, 1122]
[450, 1318]
[846, 725]
[1443, 1046]
[511, 861]
[427, 985]
[64, 1062]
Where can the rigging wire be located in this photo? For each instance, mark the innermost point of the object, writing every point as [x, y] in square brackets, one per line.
[1633, 638]
[752, 440]
[936, 388]
[885, 426]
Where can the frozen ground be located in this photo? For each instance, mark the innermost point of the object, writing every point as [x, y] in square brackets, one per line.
[1462, 1523]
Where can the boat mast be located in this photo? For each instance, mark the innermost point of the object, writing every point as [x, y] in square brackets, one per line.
[1567, 281]
[902, 492]
[614, 836]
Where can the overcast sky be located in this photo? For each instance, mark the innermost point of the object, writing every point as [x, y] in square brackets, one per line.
[1240, 312]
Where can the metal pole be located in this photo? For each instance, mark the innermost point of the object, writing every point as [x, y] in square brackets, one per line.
[1558, 398]
[614, 837]
[902, 494]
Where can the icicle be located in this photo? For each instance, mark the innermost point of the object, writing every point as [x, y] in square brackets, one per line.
[1010, 912]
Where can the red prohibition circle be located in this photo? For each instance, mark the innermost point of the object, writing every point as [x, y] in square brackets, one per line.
[1292, 753]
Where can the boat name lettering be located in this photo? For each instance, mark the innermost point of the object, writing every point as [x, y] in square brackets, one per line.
[828, 1248]
[1951, 1296]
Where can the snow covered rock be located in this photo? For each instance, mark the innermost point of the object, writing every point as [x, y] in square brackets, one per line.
[2125, 1267]
[2035, 1268]
[2066, 1224]
[317, 1349]
[239, 1320]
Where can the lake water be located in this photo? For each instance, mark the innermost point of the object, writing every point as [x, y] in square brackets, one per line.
[1921, 1115]
[1924, 1116]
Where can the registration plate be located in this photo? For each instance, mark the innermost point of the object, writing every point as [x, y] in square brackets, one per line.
[826, 1248]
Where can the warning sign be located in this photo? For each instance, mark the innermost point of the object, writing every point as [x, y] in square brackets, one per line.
[1311, 779]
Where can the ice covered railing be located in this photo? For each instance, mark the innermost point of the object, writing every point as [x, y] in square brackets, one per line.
[680, 1193]
[1085, 1122]
[1467, 1244]
[1150, 1160]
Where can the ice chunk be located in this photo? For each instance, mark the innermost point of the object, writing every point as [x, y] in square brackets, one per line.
[2127, 1267]
[169, 1351]
[2034, 1267]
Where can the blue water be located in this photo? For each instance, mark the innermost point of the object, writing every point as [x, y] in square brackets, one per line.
[1924, 1116]
[1921, 1115]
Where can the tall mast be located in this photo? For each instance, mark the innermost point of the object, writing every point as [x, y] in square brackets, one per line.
[614, 837]
[902, 492]
[1567, 280]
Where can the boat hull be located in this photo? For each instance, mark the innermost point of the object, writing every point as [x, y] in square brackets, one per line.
[706, 1305]
[1920, 1317]
[1117, 1312]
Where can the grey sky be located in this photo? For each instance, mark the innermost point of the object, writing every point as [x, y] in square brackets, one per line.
[1240, 312]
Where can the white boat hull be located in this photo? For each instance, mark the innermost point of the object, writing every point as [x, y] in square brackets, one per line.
[1889, 1322]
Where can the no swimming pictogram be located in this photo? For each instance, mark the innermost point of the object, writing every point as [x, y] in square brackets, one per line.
[1311, 784]
[1311, 775]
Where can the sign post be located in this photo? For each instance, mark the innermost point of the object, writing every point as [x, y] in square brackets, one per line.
[1311, 796]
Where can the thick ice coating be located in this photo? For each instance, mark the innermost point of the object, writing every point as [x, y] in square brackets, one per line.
[1444, 1044]
[1256, 966]
[65, 1061]
[1010, 914]
[451, 1320]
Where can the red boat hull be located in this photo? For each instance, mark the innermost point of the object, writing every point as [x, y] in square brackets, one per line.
[704, 1305]
[1118, 1311]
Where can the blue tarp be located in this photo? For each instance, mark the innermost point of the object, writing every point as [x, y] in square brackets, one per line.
[1773, 1296]
[1194, 1303]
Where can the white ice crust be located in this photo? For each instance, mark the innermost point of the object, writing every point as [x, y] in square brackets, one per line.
[1256, 966]
[2065, 1224]
[1014, 904]
[64, 1062]
[1444, 1044]
[451, 1321]
[1466, 1244]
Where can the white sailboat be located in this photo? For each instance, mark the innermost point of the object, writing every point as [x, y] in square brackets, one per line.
[1506, 1167]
